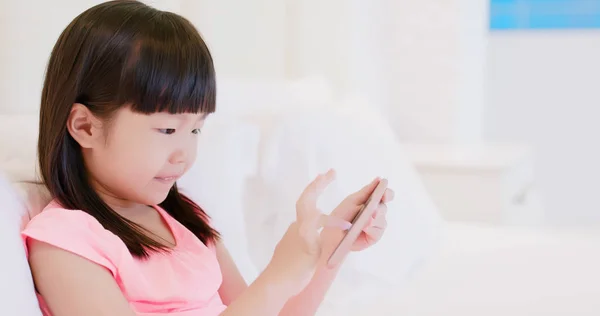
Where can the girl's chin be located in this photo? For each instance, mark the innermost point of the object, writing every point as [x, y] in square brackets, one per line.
[157, 196]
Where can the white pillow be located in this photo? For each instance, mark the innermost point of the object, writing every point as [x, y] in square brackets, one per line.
[226, 158]
[215, 181]
[360, 145]
[16, 287]
[18, 146]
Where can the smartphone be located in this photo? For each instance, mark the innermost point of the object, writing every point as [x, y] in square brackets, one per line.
[360, 221]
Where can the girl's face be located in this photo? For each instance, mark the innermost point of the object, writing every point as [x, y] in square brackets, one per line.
[136, 158]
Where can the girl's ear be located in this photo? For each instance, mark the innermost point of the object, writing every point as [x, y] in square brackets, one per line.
[83, 126]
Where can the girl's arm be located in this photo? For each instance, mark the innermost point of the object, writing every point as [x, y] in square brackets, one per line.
[233, 283]
[308, 301]
[266, 296]
[305, 303]
[72, 286]
[238, 295]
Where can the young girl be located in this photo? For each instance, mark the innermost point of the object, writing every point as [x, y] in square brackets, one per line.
[125, 96]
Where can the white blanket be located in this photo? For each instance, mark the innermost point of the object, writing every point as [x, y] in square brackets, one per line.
[491, 271]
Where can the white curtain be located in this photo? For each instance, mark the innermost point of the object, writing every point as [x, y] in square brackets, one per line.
[28, 30]
[421, 62]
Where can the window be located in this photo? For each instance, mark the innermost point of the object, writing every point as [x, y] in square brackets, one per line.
[544, 14]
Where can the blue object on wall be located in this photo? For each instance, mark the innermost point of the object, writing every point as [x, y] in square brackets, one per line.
[544, 14]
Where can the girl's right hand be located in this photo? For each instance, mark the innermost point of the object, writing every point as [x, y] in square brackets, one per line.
[297, 254]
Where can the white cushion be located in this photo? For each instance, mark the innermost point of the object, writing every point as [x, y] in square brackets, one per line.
[360, 145]
[18, 160]
[227, 154]
[18, 144]
[501, 270]
[215, 181]
[22, 198]
[226, 158]
[16, 287]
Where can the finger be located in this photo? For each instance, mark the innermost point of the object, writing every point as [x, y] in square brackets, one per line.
[379, 218]
[317, 186]
[369, 224]
[378, 224]
[388, 196]
[309, 229]
[307, 202]
[334, 222]
[381, 211]
[362, 195]
[324, 180]
[375, 232]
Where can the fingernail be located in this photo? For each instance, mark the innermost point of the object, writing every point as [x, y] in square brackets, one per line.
[346, 225]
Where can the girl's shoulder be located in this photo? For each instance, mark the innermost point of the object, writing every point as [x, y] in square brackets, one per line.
[54, 212]
[75, 231]
[55, 219]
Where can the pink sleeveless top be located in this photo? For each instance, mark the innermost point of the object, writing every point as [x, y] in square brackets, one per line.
[184, 282]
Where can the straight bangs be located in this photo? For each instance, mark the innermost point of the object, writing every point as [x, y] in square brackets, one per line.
[169, 70]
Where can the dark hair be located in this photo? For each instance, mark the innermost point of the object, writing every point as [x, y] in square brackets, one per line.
[122, 53]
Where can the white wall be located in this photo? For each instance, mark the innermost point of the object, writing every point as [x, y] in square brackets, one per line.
[26, 46]
[544, 88]
[28, 31]
[246, 38]
[438, 49]
[342, 41]
[419, 62]
[422, 62]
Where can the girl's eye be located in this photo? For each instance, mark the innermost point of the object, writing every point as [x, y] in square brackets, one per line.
[196, 131]
[167, 131]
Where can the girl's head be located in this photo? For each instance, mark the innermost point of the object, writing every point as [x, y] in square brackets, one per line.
[126, 92]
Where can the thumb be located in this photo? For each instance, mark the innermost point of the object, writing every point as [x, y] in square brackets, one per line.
[362, 195]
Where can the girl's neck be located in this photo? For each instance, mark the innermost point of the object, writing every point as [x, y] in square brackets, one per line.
[118, 204]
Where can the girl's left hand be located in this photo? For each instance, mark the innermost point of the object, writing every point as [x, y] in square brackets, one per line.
[351, 205]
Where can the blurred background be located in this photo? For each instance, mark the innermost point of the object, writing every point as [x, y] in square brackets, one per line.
[494, 103]
[511, 85]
